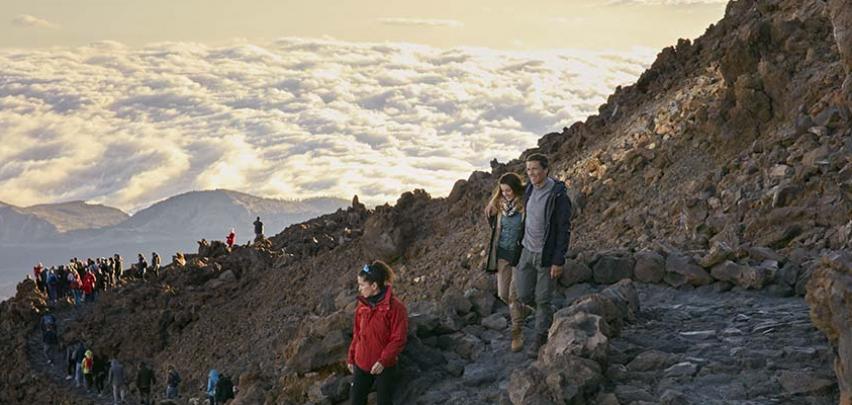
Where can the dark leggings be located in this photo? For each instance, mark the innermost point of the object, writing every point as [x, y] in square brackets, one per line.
[363, 381]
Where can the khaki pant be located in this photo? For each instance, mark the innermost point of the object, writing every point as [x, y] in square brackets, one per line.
[504, 280]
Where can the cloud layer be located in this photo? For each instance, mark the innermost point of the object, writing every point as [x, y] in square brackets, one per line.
[295, 118]
[421, 22]
[25, 20]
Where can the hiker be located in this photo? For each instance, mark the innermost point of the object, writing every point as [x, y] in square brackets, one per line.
[79, 356]
[49, 335]
[52, 286]
[172, 382]
[145, 380]
[74, 285]
[88, 285]
[37, 270]
[99, 370]
[258, 229]
[87, 366]
[547, 233]
[504, 248]
[117, 270]
[116, 380]
[379, 334]
[141, 267]
[155, 265]
[212, 381]
[70, 352]
[232, 237]
[224, 389]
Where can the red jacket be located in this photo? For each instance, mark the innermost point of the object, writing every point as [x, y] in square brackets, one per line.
[230, 239]
[88, 283]
[379, 333]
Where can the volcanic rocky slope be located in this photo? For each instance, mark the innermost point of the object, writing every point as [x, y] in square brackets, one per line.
[727, 166]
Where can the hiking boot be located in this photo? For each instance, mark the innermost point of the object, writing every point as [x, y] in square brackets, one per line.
[517, 340]
[537, 343]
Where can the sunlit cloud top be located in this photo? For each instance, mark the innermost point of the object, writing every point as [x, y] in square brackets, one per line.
[293, 118]
[24, 20]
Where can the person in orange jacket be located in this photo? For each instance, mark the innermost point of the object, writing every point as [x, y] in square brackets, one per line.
[379, 335]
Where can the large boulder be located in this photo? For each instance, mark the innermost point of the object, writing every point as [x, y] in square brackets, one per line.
[598, 305]
[313, 353]
[650, 267]
[574, 381]
[611, 268]
[682, 270]
[581, 334]
[574, 272]
[829, 294]
[742, 275]
[390, 230]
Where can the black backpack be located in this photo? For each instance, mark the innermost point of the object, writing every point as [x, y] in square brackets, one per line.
[224, 388]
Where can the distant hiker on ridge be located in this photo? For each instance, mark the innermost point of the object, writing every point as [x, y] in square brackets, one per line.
[232, 237]
[507, 229]
[155, 265]
[258, 229]
[379, 335]
[141, 266]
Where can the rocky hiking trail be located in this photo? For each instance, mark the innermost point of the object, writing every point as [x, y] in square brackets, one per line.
[695, 346]
[54, 374]
[685, 346]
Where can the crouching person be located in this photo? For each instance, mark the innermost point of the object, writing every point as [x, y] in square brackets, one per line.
[379, 335]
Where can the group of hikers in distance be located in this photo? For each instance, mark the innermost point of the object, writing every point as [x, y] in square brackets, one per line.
[530, 233]
[83, 280]
[90, 371]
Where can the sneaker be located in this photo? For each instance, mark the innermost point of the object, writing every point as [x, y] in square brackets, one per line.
[67, 377]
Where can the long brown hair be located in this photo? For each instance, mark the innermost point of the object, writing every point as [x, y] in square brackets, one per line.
[516, 184]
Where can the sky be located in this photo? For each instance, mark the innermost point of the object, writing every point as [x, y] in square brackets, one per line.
[125, 103]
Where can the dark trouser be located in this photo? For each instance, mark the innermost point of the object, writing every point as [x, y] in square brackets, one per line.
[100, 380]
[363, 381]
[145, 395]
[534, 286]
[90, 380]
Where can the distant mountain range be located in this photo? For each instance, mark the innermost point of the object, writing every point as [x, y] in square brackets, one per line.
[53, 233]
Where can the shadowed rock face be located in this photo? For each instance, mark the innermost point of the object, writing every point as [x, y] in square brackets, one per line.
[841, 19]
[830, 298]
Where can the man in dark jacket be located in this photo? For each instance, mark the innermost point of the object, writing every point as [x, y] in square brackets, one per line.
[547, 233]
[258, 229]
[144, 381]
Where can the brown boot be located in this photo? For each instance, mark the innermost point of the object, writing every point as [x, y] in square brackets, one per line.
[517, 339]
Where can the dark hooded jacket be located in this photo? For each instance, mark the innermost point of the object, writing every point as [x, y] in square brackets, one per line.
[557, 214]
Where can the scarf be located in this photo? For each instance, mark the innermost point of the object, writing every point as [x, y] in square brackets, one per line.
[509, 207]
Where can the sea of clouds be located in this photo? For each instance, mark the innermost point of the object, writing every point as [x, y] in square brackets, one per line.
[294, 118]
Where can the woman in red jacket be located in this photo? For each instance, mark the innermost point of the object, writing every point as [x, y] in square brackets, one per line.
[379, 335]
